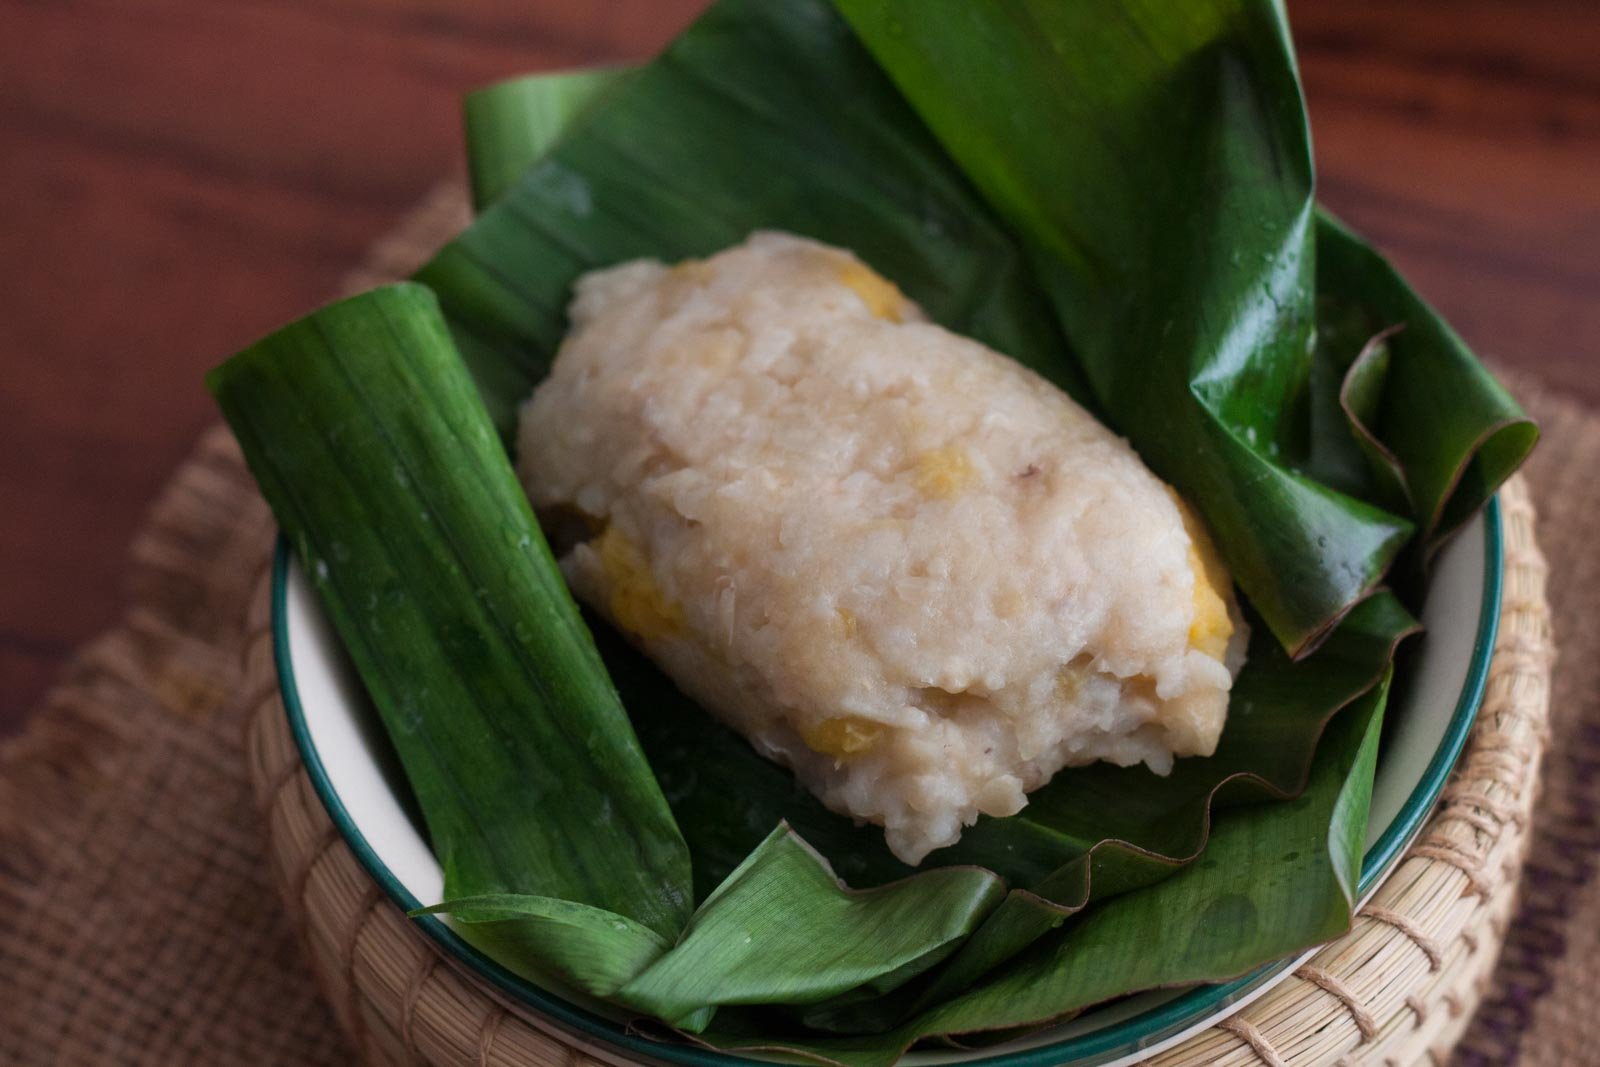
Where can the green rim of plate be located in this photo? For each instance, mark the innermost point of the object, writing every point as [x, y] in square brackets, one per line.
[1123, 1038]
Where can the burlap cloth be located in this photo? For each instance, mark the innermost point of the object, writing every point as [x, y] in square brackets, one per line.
[139, 923]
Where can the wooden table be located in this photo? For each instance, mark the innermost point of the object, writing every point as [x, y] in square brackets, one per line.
[179, 176]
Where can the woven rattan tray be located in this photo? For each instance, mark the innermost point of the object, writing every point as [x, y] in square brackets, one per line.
[1399, 988]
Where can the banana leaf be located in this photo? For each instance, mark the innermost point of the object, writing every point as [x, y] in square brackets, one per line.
[1122, 203]
[782, 930]
[877, 937]
[366, 437]
[1439, 420]
[364, 431]
[512, 123]
[589, 949]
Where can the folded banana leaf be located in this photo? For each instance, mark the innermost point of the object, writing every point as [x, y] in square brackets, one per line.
[1440, 424]
[362, 426]
[366, 437]
[877, 937]
[1119, 197]
[512, 123]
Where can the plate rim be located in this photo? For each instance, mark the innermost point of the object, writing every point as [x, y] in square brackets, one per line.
[1135, 1034]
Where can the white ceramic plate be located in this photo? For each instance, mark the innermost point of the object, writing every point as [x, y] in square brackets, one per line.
[344, 751]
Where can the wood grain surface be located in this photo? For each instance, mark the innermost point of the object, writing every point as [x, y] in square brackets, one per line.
[179, 176]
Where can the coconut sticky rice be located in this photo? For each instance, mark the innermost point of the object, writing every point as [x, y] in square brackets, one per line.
[895, 560]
